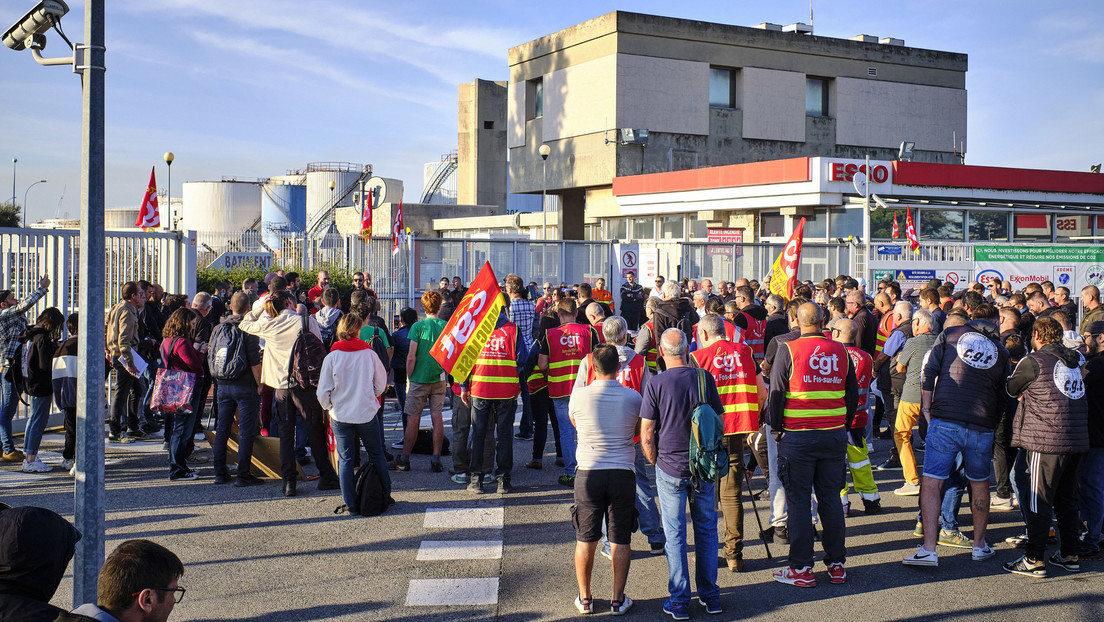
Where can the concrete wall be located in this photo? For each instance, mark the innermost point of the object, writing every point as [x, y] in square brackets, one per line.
[418, 217]
[773, 103]
[882, 114]
[661, 94]
[481, 144]
[587, 107]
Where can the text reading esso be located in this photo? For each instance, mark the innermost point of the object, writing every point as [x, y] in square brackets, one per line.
[841, 171]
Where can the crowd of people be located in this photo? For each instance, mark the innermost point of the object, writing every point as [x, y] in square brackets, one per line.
[985, 382]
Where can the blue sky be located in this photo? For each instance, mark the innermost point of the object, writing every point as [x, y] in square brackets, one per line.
[252, 88]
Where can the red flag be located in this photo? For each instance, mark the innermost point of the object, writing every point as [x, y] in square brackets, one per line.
[784, 272]
[397, 231]
[910, 231]
[148, 216]
[366, 217]
[896, 231]
[470, 327]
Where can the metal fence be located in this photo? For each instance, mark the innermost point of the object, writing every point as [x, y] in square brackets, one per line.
[754, 260]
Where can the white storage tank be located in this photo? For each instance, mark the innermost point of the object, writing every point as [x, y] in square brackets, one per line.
[320, 197]
[223, 207]
[124, 217]
[283, 211]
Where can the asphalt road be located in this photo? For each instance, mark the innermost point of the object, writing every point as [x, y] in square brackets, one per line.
[251, 554]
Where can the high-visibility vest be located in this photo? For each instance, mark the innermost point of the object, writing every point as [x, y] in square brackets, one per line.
[885, 327]
[567, 346]
[495, 374]
[630, 374]
[536, 382]
[818, 381]
[598, 330]
[754, 335]
[864, 366]
[733, 367]
[651, 356]
[733, 332]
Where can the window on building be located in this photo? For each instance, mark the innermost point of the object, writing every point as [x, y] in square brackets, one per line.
[699, 229]
[988, 226]
[816, 97]
[488, 125]
[771, 225]
[1032, 227]
[672, 227]
[816, 225]
[643, 228]
[722, 88]
[939, 224]
[1070, 227]
[534, 98]
[845, 222]
[617, 229]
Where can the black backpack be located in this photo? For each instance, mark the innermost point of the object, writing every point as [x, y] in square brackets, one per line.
[376, 343]
[306, 358]
[371, 499]
[229, 360]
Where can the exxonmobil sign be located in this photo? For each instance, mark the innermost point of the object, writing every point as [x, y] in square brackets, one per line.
[845, 171]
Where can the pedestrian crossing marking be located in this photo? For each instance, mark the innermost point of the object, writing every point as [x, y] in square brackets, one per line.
[464, 518]
[452, 592]
[435, 550]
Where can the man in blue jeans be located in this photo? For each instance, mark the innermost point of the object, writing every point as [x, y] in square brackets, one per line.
[668, 402]
[241, 394]
[12, 323]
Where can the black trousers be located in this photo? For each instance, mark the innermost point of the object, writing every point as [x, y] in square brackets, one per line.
[70, 425]
[304, 401]
[124, 397]
[1052, 485]
[1003, 456]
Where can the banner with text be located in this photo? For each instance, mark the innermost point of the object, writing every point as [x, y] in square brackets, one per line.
[1066, 266]
[471, 325]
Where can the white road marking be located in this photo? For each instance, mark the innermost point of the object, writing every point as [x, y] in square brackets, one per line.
[432, 550]
[9, 479]
[464, 518]
[430, 592]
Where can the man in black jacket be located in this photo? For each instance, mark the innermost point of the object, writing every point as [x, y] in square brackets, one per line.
[35, 548]
[632, 300]
[1091, 478]
[962, 396]
[1052, 426]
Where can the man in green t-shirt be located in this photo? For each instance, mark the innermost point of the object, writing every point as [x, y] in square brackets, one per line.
[426, 382]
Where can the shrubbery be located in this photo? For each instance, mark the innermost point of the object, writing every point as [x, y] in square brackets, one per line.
[207, 278]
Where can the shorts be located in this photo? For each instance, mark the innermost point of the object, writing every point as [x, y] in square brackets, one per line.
[946, 439]
[608, 494]
[417, 394]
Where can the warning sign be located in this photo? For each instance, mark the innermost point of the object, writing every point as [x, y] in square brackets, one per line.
[628, 259]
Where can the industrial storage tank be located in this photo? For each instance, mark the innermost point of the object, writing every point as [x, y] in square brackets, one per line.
[320, 197]
[283, 210]
[124, 217]
[220, 207]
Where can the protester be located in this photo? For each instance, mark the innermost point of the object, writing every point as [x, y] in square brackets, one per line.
[1091, 478]
[561, 351]
[122, 339]
[139, 582]
[426, 383]
[13, 322]
[179, 354]
[401, 340]
[36, 545]
[240, 393]
[64, 380]
[36, 366]
[858, 445]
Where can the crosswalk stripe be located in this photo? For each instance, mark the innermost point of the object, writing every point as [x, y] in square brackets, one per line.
[464, 518]
[430, 592]
[433, 550]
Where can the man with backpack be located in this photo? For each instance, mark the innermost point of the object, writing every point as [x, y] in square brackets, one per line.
[235, 361]
[813, 397]
[668, 407]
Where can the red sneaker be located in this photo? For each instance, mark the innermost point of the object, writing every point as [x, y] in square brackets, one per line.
[837, 573]
[801, 577]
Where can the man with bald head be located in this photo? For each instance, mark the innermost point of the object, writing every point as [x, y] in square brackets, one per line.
[1094, 311]
[813, 398]
[668, 403]
[594, 316]
[858, 450]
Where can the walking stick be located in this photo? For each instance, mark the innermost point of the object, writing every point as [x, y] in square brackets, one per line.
[755, 509]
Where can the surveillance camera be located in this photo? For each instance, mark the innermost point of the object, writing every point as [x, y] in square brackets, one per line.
[36, 22]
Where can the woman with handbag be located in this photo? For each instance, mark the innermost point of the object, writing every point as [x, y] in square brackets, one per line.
[180, 355]
[349, 386]
[37, 360]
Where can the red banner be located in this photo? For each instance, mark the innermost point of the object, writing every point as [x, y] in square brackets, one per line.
[896, 232]
[148, 216]
[784, 272]
[397, 235]
[471, 325]
[366, 217]
[910, 231]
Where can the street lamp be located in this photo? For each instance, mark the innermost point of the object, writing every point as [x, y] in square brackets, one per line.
[41, 181]
[14, 161]
[544, 151]
[169, 157]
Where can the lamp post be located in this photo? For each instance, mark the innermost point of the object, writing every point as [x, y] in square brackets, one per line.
[14, 161]
[544, 151]
[169, 157]
[41, 181]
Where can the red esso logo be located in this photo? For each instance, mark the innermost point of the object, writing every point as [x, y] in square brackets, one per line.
[571, 341]
[846, 172]
[1067, 224]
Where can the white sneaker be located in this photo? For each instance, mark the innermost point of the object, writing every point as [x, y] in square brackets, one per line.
[980, 554]
[922, 557]
[67, 464]
[37, 466]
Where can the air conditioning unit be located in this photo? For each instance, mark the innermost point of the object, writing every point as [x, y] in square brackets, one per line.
[633, 136]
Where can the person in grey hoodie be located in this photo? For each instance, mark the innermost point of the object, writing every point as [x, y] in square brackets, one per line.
[328, 315]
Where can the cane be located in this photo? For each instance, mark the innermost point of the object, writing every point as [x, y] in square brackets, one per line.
[755, 509]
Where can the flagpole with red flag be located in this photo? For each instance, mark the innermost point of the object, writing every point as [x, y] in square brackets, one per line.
[149, 217]
[397, 230]
[910, 231]
[366, 217]
[896, 232]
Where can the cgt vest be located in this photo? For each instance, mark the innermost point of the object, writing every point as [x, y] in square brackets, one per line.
[567, 346]
[754, 336]
[733, 332]
[885, 327]
[971, 378]
[864, 366]
[651, 357]
[598, 330]
[818, 381]
[495, 374]
[733, 367]
[1053, 417]
[630, 374]
[536, 382]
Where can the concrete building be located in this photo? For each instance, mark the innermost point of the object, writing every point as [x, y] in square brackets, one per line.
[481, 147]
[628, 94]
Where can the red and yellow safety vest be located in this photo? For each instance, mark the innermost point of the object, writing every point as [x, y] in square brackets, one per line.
[864, 374]
[885, 327]
[818, 380]
[598, 330]
[733, 367]
[733, 332]
[630, 374]
[495, 374]
[567, 346]
[651, 356]
[754, 335]
[536, 382]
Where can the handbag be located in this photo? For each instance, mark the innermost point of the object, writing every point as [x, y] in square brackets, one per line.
[173, 390]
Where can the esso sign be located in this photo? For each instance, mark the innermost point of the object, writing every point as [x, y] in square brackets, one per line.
[841, 171]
